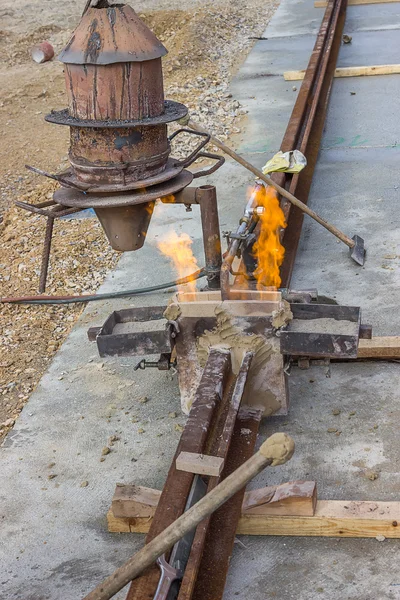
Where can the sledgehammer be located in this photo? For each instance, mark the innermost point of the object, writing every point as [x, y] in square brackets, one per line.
[276, 450]
[356, 243]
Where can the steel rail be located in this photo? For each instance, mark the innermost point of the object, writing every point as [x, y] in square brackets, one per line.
[304, 131]
[306, 124]
[176, 489]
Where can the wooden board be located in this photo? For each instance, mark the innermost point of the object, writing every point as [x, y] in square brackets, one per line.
[291, 498]
[332, 518]
[379, 347]
[324, 4]
[134, 501]
[362, 71]
[202, 464]
[297, 498]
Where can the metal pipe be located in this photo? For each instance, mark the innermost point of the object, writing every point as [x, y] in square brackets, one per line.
[207, 198]
[46, 254]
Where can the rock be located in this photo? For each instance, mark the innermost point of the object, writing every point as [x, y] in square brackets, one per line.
[172, 415]
[106, 450]
[178, 427]
[370, 474]
[143, 399]
[51, 476]
[380, 538]
[336, 412]
[332, 430]
[84, 484]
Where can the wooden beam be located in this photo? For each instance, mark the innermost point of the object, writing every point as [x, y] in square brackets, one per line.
[134, 501]
[292, 498]
[332, 518]
[379, 347]
[350, 72]
[202, 464]
[296, 498]
[324, 4]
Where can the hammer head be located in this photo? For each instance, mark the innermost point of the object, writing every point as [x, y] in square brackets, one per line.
[357, 252]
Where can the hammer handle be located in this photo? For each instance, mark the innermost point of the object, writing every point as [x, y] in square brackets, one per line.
[185, 523]
[260, 175]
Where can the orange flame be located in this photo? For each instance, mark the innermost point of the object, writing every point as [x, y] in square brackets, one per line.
[268, 249]
[178, 248]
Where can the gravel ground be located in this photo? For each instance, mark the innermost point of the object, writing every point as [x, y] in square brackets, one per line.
[207, 42]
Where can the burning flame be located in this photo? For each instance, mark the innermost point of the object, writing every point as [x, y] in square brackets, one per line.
[268, 249]
[178, 248]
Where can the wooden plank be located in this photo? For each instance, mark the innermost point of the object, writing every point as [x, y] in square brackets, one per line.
[324, 4]
[269, 295]
[379, 347]
[361, 71]
[295, 498]
[292, 498]
[332, 518]
[239, 308]
[202, 464]
[134, 501]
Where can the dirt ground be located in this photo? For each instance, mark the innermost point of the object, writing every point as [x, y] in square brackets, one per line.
[207, 42]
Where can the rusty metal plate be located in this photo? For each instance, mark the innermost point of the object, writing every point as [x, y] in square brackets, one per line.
[75, 198]
[173, 111]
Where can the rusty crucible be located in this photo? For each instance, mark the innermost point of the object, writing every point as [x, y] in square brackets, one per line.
[117, 116]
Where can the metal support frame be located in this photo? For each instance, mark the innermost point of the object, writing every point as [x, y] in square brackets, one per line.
[51, 210]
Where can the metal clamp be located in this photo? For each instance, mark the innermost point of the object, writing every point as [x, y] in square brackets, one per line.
[164, 363]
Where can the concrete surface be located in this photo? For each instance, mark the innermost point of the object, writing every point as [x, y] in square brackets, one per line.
[54, 537]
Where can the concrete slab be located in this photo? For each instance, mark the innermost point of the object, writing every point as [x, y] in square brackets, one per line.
[368, 18]
[294, 18]
[55, 542]
[370, 48]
